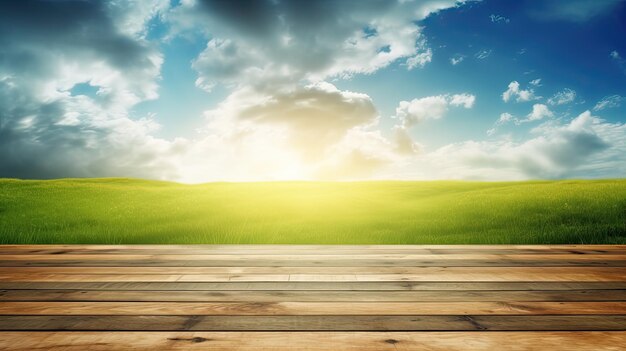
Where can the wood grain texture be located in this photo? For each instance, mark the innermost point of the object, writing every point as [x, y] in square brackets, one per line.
[315, 323]
[607, 276]
[311, 308]
[313, 273]
[346, 262]
[314, 341]
[320, 297]
[311, 296]
[317, 286]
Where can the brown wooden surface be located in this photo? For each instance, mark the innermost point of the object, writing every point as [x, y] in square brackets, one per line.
[283, 297]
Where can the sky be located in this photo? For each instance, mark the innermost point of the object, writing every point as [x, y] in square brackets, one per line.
[241, 90]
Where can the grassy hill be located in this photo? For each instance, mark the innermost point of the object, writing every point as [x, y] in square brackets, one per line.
[129, 211]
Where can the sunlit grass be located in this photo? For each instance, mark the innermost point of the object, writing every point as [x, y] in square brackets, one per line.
[128, 211]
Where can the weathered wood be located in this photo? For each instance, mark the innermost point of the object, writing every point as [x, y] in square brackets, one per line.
[312, 308]
[281, 297]
[314, 257]
[329, 250]
[314, 341]
[306, 273]
[347, 262]
[290, 247]
[304, 296]
[615, 275]
[318, 286]
[313, 323]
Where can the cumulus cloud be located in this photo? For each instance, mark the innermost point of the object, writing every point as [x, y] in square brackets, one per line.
[520, 95]
[283, 117]
[505, 117]
[276, 43]
[432, 107]
[540, 111]
[281, 120]
[563, 97]
[586, 145]
[48, 47]
[310, 132]
[416, 111]
[465, 100]
[611, 101]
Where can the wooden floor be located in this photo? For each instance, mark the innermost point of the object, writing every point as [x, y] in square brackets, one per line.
[266, 297]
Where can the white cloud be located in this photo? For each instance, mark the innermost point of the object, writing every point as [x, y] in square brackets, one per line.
[540, 111]
[586, 146]
[621, 62]
[504, 118]
[420, 60]
[431, 107]
[499, 19]
[482, 54]
[536, 82]
[45, 130]
[465, 100]
[563, 97]
[311, 132]
[611, 101]
[325, 39]
[456, 59]
[615, 55]
[521, 95]
[416, 111]
[280, 121]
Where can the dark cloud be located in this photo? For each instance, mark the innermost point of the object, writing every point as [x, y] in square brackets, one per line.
[83, 29]
[47, 47]
[277, 43]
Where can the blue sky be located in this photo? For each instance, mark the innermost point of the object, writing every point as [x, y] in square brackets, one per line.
[199, 90]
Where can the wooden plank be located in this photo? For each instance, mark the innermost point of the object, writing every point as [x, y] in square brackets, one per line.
[313, 323]
[275, 296]
[301, 257]
[314, 341]
[318, 286]
[156, 262]
[289, 295]
[64, 251]
[289, 247]
[538, 277]
[311, 308]
[462, 272]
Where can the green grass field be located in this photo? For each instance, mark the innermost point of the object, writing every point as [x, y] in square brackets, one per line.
[129, 211]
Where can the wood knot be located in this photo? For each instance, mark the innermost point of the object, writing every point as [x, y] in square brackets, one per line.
[391, 341]
[194, 340]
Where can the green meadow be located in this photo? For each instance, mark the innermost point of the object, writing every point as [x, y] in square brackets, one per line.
[130, 211]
